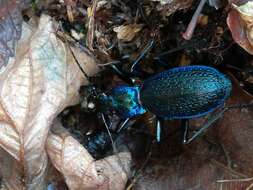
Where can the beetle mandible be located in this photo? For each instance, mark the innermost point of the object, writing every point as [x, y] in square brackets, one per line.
[180, 93]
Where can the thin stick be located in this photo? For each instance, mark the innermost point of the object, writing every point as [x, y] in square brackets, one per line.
[234, 180]
[187, 35]
[108, 63]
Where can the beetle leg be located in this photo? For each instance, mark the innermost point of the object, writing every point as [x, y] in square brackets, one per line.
[158, 130]
[185, 127]
[207, 124]
[123, 124]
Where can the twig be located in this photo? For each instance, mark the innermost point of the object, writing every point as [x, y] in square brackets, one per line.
[70, 13]
[232, 172]
[187, 35]
[90, 33]
[250, 187]
[234, 180]
[108, 63]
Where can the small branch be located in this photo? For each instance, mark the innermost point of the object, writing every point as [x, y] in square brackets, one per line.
[234, 180]
[187, 35]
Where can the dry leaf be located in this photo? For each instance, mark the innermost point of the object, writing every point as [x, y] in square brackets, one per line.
[34, 87]
[127, 32]
[80, 170]
[246, 14]
[240, 22]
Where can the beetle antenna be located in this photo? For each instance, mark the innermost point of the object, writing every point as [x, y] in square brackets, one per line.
[143, 53]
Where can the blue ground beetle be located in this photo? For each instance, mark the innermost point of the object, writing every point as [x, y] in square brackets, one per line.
[180, 93]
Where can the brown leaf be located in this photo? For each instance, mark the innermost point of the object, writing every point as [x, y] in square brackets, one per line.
[79, 169]
[127, 32]
[35, 86]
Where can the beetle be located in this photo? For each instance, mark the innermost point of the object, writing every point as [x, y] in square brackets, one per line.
[180, 93]
[97, 143]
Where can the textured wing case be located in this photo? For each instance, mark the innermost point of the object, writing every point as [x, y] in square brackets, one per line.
[185, 92]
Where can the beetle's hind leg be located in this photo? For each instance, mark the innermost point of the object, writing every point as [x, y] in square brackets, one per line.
[158, 130]
[207, 125]
[185, 129]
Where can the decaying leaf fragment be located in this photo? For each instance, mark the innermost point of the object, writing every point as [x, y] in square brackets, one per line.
[127, 32]
[10, 28]
[168, 7]
[34, 87]
[80, 170]
[240, 22]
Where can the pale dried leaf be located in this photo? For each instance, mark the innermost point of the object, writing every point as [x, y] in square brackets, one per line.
[246, 14]
[79, 169]
[34, 87]
[240, 22]
[116, 169]
[127, 32]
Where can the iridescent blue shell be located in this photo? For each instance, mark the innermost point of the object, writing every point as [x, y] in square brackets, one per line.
[185, 92]
[125, 101]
